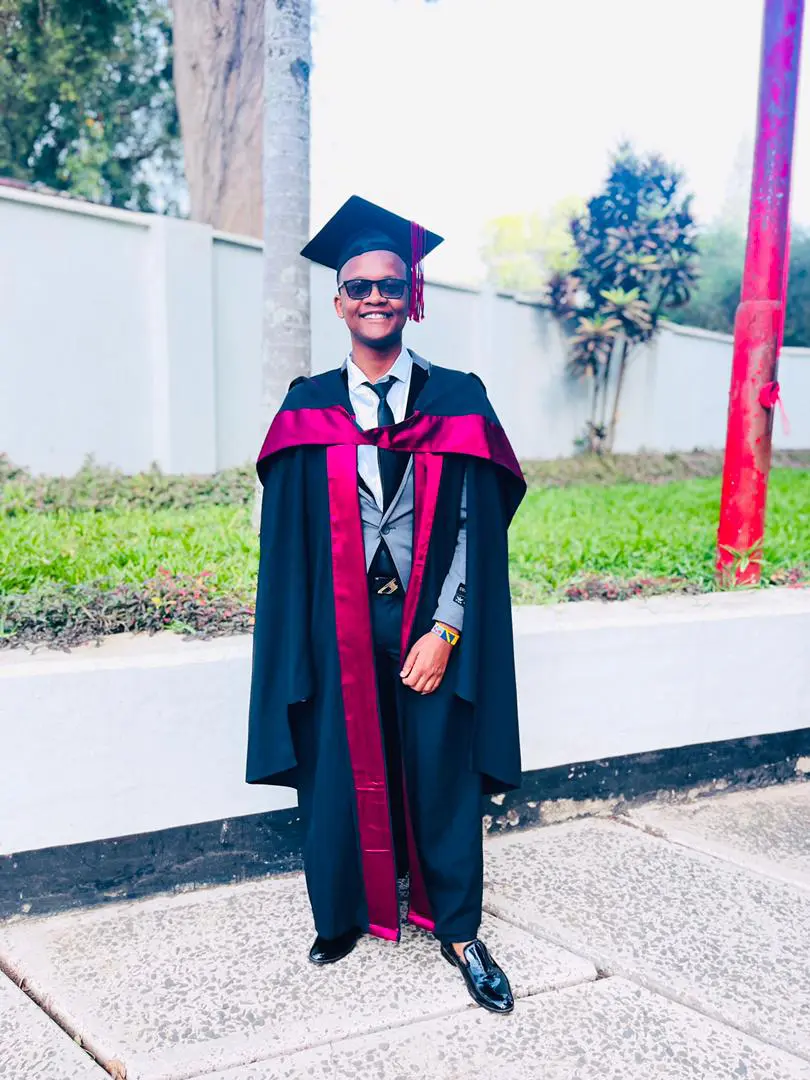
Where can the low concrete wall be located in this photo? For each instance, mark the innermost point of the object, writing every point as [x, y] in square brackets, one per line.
[145, 734]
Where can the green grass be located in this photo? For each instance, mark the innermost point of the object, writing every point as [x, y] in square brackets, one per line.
[72, 547]
[637, 530]
[560, 535]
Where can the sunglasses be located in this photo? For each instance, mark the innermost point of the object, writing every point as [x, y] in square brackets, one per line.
[390, 288]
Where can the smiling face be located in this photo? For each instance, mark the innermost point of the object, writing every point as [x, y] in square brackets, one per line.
[375, 321]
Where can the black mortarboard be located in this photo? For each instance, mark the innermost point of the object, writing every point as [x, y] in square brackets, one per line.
[360, 226]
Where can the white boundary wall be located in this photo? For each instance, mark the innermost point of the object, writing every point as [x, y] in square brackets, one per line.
[138, 338]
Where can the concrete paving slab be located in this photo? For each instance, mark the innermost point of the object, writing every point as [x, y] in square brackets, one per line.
[767, 830]
[723, 940]
[176, 986]
[33, 1047]
[608, 1030]
[318, 1064]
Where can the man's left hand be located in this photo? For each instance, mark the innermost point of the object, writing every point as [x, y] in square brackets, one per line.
[426, 664]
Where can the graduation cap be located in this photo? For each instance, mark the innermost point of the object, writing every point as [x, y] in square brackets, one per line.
[360, 226]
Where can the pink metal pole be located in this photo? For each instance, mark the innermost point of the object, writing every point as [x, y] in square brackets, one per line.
[760, 316]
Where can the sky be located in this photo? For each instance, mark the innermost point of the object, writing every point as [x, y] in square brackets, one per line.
[455, 112]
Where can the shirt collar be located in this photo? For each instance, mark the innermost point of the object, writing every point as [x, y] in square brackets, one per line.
[401, 369]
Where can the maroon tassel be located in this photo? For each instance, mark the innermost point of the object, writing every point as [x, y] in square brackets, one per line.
[416, 311]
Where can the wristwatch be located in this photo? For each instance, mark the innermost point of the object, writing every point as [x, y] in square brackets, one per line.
[446, 633]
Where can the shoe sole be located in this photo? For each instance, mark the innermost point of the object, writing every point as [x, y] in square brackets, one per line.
[331, 960]
[481, 1004]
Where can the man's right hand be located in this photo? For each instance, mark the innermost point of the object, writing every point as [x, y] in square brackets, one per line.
[426, 664]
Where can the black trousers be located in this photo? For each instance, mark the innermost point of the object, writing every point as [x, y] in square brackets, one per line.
[432, 734]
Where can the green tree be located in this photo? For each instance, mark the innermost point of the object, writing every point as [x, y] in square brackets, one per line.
[713, 304]
[797, 315]
[636, 260]
[521, 251]
[715, 298]
[86, 99]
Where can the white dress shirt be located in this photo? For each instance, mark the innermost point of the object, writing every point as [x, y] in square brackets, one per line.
[365, 404]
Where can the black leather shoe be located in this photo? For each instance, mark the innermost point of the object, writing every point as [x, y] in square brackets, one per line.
[487, 984]
[328, 950]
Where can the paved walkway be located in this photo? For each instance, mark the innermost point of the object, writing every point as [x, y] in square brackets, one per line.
[667, 943]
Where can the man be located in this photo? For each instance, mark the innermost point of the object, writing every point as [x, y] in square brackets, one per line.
[383, 683]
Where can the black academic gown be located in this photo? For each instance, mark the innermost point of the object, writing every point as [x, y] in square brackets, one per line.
[314, 715]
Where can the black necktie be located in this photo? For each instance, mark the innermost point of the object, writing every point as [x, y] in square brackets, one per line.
[392, 465]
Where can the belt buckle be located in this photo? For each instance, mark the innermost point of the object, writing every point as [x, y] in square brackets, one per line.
[388, 588]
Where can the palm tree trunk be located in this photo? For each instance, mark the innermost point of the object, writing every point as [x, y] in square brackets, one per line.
[285, 317]
[614, 417]
[591, 425]
[595, 397]
[598, 441]
[605, 387]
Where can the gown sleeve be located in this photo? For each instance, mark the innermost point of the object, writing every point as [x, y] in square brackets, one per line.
[282, 671]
